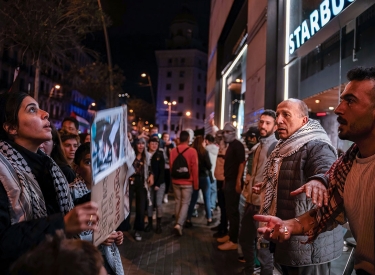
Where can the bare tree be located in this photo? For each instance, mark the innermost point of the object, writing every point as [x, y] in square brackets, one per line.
[92, 80]
[47, 31]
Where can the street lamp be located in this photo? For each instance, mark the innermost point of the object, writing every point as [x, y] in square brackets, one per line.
[144, 75]
[188, 113]
[169, 113]
[53, 89]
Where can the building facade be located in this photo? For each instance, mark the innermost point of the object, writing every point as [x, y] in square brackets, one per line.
[182, 69]
[262, 52]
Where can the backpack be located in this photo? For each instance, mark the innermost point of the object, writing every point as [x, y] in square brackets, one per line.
[180, 168]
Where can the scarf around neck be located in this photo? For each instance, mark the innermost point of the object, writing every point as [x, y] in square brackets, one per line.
[312, 130]
[25, 196]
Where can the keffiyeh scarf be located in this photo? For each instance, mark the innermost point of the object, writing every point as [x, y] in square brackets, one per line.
[23, 191]
[111, 254]
[312, 130]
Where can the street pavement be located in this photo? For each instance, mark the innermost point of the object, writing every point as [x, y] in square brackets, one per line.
[193, 253]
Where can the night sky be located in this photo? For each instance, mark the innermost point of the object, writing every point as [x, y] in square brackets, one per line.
[139, 28]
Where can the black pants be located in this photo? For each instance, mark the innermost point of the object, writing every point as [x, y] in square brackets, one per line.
[167, 180]
[232, 200]
[223, 226]
[248, 235]
[138, 190]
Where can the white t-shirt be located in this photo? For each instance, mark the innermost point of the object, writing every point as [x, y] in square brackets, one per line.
[359, 202]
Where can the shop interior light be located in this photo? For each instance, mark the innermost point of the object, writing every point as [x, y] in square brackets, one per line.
[317, 101]
[331, 108]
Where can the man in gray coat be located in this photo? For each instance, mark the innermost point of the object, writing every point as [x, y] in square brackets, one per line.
[303, 151]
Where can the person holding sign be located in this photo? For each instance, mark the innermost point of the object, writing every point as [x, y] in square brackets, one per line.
[80, 187]
[34, 195]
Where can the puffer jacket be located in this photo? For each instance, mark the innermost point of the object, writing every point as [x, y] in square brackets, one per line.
[313, 158]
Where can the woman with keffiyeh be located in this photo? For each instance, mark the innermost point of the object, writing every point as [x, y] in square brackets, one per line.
[81, 187]
[34, 195]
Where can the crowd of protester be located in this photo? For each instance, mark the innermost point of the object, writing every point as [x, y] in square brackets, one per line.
[280, 189]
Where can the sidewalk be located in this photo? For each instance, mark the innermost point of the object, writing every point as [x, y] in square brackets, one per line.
[193, 253]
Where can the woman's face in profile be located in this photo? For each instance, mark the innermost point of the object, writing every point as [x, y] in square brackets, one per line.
[33, 125]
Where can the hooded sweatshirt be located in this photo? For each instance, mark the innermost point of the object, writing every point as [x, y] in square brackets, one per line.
[213, 151]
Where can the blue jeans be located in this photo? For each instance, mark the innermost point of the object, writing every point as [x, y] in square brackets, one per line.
[213, 195]
[205, 186]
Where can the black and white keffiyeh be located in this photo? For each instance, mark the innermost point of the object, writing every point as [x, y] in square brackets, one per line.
[78, 189]
[23, 191]
[312, 130]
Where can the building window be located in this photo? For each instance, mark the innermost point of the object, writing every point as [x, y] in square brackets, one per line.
[168, 98]
[204, 102]
[198, 101]
[199, 62]
[180, 99]
[181, 86]
[197, 115]
[199, 88]
[170, 61]
[172, 127]
[168, 87]
[182, 73]
[179, 113]
[165, 127]
[182, 60]
[204, 116]
[199, 76]
[169, 74]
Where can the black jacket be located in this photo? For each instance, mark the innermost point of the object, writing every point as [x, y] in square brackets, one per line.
[157, 167]
[204, 164]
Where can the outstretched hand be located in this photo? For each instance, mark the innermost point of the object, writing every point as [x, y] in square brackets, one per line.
[274, 228]
[314, 189]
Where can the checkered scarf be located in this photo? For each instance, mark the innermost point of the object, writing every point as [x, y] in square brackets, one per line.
[336, 176]
[78, 189]
[312, 130]
[24, 193]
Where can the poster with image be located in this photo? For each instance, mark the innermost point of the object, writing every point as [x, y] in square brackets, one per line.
[112, 165]
[107, 139]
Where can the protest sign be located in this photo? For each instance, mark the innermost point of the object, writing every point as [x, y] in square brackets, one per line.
[112, 158]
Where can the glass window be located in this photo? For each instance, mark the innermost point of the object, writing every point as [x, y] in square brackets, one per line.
[169, 74]
[180, 99]
[168, 98]
[182, 60]
[197, 115]
[198, 101]
[168, 86]
[199, 88]
[181, 86]
[170, 60]
[182, 73]
[199, 76]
